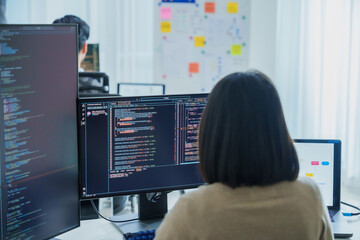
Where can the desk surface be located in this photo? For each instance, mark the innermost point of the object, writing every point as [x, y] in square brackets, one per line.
[97, 229]
[100, 229]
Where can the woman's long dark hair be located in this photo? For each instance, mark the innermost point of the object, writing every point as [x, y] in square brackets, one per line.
[243, 138]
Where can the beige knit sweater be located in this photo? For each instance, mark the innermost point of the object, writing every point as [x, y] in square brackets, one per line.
[286, 210]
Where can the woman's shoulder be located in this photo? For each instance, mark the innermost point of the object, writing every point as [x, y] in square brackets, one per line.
[207, 194]
[207, 190]
[308, 184]
[302, 188]
[305, 186]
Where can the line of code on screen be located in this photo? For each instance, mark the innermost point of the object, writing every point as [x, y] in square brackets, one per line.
[38, 133]
[138, 144]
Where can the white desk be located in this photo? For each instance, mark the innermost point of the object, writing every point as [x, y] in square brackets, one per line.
[100, 229]
[354, 223]
[349, 196]
[97, 229]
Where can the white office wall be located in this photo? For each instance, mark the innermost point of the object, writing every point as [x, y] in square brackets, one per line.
[42, 11]
[124, 30]
[263, 36]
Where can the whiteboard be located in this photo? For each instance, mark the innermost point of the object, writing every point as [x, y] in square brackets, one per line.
[198, 42]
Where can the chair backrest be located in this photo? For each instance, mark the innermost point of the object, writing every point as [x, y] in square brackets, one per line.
[93, 82]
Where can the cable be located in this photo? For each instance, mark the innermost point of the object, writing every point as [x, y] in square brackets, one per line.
[108, 219]
[348, 214]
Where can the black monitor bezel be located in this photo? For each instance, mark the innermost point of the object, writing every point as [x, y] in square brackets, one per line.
[80, 101]
[337, 168]
[139, 84]
[77, 70]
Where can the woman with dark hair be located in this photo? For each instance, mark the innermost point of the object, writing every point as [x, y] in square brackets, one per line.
[250, 164]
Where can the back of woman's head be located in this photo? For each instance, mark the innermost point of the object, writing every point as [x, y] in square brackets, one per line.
[243, 138]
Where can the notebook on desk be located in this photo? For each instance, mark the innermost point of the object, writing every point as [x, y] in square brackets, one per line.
[321, 161]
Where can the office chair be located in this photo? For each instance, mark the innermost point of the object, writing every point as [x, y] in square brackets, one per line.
[93, 83]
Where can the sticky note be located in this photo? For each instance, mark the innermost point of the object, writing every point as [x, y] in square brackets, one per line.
[314, 163]
[165, 13]
[309, 174]
[194, 67]
[325, 163]
[232, 7]
[236, 50]
[199, 41]
[209, 7]
[165, 27]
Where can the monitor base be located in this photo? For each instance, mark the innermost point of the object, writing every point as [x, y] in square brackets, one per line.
[87, 210]
[151, 209]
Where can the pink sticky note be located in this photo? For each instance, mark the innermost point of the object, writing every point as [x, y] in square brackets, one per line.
[165, 13]
[314, 163]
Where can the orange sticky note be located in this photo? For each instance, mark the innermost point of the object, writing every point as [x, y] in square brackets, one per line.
[209, 7]
[232, 7]
[193, 67]
[199, 41]
[165, 27]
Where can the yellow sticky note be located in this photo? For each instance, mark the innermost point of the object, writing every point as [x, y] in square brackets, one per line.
[309, 174]
[199, 41]
[165, 27]
[236, 50]
[232, 7]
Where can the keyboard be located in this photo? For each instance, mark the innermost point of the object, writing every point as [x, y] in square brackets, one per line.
[148, 234]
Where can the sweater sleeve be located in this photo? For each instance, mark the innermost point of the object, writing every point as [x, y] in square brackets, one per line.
[176, 223]
[326, 232]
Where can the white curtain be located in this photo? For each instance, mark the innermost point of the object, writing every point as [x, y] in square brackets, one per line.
[123, 29]
[317, 73]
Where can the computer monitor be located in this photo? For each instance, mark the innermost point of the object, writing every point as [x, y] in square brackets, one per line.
[91, 63]
[320, 159]
[142, 144]
[38, 131]
[140, 89]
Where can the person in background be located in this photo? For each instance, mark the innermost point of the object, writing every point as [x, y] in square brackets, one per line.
[119, 203]
[2, 11]
[83, 34]
[250, 164]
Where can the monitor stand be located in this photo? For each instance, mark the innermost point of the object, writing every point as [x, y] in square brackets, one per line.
[151, 211]
[87, 210]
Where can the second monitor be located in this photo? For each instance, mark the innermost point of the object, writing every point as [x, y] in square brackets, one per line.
[139, 144]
